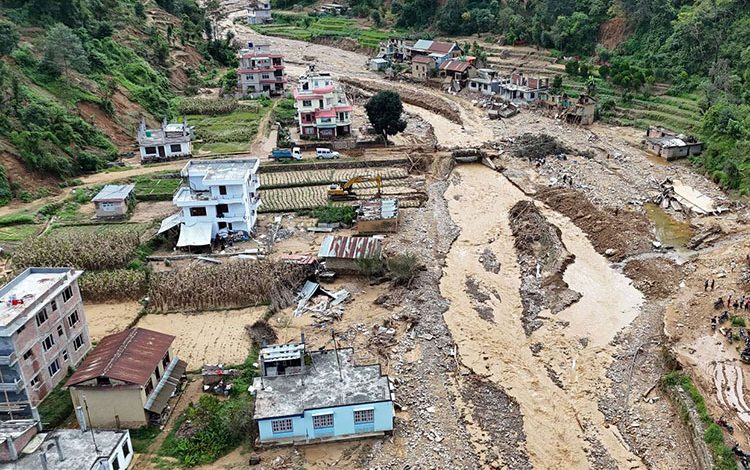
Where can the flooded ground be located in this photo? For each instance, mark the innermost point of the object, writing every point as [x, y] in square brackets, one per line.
[669, 231]
[554, 404]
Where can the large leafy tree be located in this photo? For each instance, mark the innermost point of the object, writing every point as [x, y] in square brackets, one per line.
[8, 37]
[384, 111]
[63, 51]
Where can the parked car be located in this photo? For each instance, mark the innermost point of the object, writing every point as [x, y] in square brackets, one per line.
[322, 153]
[286, 154]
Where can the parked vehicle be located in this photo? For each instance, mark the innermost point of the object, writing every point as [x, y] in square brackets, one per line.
[286, 154]
[323, 153]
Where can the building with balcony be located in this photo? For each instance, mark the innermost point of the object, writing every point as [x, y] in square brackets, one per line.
[260, 72]
[218, 198]
[43, 332]
[321, 395]
[323, 111]
[127, 380]
[168, 142]
[259, 12]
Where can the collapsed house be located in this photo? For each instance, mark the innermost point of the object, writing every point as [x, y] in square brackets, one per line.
[439, 51]
[345, 253]
[394, 49]
[457, 72]
[486, 82]
[423, 67]
[114, 200]
[303, 397]
[168, 142]
[127, 380]
[378, 216]
[581, 111]
[63, 449]
[684, 198]
[520, 89]
[670, 145]
[219, 200]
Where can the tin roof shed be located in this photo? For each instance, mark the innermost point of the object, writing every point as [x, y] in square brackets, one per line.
[349, 247]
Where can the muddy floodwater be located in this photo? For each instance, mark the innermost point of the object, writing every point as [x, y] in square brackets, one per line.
[669, 231]
[557, 388]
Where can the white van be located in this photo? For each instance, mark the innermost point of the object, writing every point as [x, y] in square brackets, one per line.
[323, 153]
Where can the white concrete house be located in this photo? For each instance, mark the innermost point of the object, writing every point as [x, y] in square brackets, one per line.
[168, 142]
[259, 12]
[220, 197]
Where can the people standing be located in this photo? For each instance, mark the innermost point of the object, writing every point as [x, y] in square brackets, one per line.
[705, 286]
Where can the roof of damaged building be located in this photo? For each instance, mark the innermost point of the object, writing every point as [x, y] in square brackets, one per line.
[378, 209]
[422, 59]
[79, 450]
[323, 387]
[129, 356]
[455, 66]
[235, 169]
[349, 247]
[29, 292]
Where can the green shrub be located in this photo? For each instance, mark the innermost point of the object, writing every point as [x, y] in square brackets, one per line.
[403, 267]
[143, 437]
[16, 219]
[285, 112]
[332, 214]
[370, 267]
[56, 408]
[738, 321]
[6, 194]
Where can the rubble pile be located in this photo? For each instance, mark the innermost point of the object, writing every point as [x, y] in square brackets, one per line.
[537, 147]
[261, 333]
[543, 259]
[616, 233]
[657, 277]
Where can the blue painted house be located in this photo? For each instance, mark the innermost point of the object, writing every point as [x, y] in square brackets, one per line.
[319, 396]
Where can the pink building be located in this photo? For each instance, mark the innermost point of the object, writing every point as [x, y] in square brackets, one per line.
[261, 73]
[323, 110]
[43, 332]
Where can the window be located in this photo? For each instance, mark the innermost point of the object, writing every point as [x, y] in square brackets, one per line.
[60, 331]
[125, 449]
[281, 425]
[65, 355]
[78, 342]
[28, 354]
[150, 150]
[175, 148]
[364, 416]
[149, 387]
[221, 210]
[265, 76]
[223, 190]
[306, 103]
[73, 318]
[166, 360]
[41, 317]
[48, 342]
[54, 368]
[323, 421]
[20, 329]
[67, 293]
[34, 382]
[157, 373]
[116, 463]
[197, 211]
[53, 305]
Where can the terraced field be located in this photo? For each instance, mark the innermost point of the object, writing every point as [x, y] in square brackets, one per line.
[305, 28]
[290, 179]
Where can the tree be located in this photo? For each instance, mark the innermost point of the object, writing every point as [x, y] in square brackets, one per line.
[63, 51]
[557, 83]
[384, 112]
[8, 37]
[377, 20]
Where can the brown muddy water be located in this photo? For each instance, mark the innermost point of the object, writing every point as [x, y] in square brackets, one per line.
[668, 230]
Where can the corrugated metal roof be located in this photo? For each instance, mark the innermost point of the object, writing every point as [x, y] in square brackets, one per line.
[282, 352]
[441, 47]
[422, 59]
[195, 235]
[129, 356]
[455, 66]
[114, 192]
[422, 44]
[349, 247]
[166, 387]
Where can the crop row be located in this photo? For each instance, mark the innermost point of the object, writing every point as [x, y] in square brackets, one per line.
[307, 197]
[318, 177]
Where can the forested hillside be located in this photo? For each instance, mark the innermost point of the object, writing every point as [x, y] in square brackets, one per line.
[76, 75]
[696, 46]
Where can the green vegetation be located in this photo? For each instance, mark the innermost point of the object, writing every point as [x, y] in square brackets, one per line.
[306, 27]
[17, 233]
[370, 267]
[152, 188]
[56, 408]
[143, 437]
[738, 321]
[229, 132]
[723, 455]
[5, 191]
[384, 112]
[285, 112]
[211, 428]
[334, 214]
[19, 218]
[403, 267]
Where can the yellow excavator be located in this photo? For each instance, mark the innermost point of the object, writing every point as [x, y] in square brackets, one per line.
[345, 190]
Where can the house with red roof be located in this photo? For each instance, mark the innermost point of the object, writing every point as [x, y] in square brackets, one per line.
[439, 51]
[127, 380]
[323, 110]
